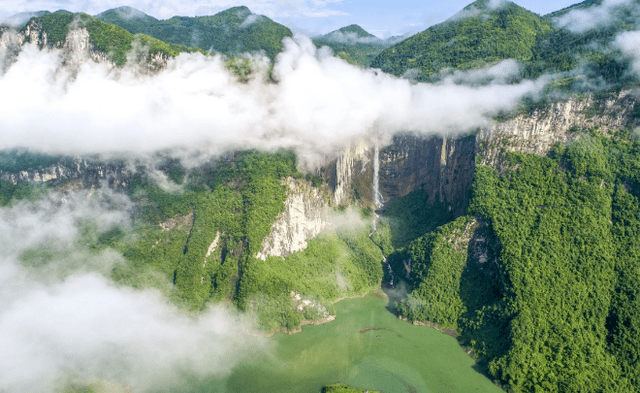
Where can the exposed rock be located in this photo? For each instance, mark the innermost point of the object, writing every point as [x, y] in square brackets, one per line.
[305, 215]
[346, 169]
[178, 221]
[440, 165]
[537, 132]
[10, 45]
[83, 173]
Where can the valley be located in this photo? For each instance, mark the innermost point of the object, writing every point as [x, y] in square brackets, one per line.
[215, 203]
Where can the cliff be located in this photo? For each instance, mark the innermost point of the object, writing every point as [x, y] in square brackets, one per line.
[305, 214]
[77, 173]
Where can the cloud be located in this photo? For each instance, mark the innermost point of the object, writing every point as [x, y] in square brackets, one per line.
[82, 327]
[609, 13]
[473, 11]
[319, 104]
[350, 38]
[629, 43]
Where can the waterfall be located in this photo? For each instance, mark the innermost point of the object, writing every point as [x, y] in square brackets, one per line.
[378, 200]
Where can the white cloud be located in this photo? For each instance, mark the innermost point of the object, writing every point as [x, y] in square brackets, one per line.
[581, 20]
[81, 326]
[319, 104]
[629, 43]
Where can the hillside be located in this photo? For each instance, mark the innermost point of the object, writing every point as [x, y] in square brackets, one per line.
[476, 36]
[353, 44]
[110, 39]
[233, 31]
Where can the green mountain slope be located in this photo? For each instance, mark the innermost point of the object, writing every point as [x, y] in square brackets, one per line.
[588, 50]
[475, 37]
[115, 41]
[231, 32]
[353, 44]
[551, 304]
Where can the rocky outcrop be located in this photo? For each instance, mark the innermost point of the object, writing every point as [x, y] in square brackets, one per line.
[537, 132]
[345, 174]
[305, 215]
[443, 166]
[77, 173]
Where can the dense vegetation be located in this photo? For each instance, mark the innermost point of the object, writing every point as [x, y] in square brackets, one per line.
[353, 44]
[551, 306]
[231, 32]
[479, 36]
[115, 41]
[198, 243]
[344, 388]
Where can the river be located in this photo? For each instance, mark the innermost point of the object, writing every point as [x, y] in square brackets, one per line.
[366, 346]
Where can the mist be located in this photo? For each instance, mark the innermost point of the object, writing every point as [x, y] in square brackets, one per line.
[606, 14]
[319, 104]
[63, 320]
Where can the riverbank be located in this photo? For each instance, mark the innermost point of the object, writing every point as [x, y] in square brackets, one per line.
[316, 322]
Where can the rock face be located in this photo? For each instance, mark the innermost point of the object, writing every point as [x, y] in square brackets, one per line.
[78, 173]
[537, 132]
[305, 215]
[440, 165]
[444, 166]
[346, 173]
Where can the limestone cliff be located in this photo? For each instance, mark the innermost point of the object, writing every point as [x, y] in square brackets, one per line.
[537, 132]
[77, 173]
[305, 215]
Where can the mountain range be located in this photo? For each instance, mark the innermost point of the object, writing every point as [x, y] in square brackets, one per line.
[520, 236]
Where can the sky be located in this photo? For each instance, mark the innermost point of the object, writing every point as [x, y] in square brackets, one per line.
[310, 17]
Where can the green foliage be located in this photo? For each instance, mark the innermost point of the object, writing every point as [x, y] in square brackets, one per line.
[412, 216]
[553, 305]
[353, 44]
[484, 37]
[115, 41]
[344, 388]
[14, 161]
[231, 32]
[334, 265]
[9, 192]
[436, 269]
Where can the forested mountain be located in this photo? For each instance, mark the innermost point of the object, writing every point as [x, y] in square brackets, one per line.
[477, 36]
[521, 237]
[353, 44]
[110, 39]
[233, 31]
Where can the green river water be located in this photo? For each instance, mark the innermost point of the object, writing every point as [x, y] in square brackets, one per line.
[397, 357]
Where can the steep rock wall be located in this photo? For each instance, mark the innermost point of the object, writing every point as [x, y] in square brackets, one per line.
[78, 172]
[305, 215]
[537, 132]
[443, 166]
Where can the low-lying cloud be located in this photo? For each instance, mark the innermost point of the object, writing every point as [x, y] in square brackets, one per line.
[609, 13]
[318, 105]
[82, 327]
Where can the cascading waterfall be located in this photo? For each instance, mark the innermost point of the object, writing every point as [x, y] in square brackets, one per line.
[378, 200]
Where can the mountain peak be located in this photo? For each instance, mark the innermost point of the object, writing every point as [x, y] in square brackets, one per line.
[124, 13]
[359, 31]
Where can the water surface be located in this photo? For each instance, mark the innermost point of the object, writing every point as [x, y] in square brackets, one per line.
[366, 346]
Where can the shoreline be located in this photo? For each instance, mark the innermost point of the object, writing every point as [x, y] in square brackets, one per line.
[314, 322]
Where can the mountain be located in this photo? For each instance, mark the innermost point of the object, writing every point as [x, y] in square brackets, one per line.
[353, 44]
[114, 41]
[22, 18]
[129, 18]
[476, 36]
[233, 31]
